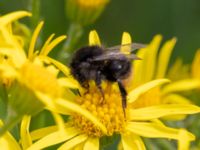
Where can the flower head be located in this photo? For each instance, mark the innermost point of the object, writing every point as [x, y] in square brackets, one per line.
[141, 120]
[154, 65]
[29, 73]
[85, 12]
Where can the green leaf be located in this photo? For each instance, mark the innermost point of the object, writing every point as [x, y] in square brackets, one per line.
[108, 142]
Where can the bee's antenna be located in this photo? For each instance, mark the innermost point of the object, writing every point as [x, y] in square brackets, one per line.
[98, 83]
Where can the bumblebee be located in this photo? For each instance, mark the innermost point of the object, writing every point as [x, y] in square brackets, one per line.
[99, 63]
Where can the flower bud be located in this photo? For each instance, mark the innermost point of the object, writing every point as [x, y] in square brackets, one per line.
[85, 12]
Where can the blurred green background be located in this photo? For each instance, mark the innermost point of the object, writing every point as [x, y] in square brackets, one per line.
[142, 18]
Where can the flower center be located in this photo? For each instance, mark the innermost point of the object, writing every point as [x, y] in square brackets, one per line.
[108, 110]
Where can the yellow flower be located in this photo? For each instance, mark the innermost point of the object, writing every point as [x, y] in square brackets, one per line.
[178, 71]
[139, 122]
[27, 73]
[153, 66]
[8, 142]
[30, 80]
[195, 72]
[85, 12]
[187, 72]
[6, 31]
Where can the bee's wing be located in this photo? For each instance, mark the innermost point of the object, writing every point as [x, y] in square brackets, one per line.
[113, 55]
[133, 46]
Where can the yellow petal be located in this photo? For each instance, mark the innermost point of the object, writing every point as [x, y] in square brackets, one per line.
[34, 39]
[132, 142]
[164, 57]
[8, 142]
[135, 93]
[145, 69]
[16, 57]
[91, 143]
[73, 142]
[51, 45]
[70, 106]
[184, 140]
[79, 146]
[60, 66]
[94, 38]
[46, 44]
[46, 100]
[8, 18]
[66, 107]
[39, 133]
[69, 83]
[60, 122]
[154, 112]
[54, 138]
[182, 85]
[154, 130]
[195, 72]
[138, 68]
[126, 39]
[26, 140]
[178, 70]
[69, 94]
[150, 59]
[175, 99]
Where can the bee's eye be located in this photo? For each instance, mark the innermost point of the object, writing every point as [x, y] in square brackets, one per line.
[119, 66]
[115, 66]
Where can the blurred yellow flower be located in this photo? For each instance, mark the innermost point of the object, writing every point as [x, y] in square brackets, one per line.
[142, 121]
[190, 72]
[154, 65]
[27, 74]
[178, 70]
[195, 71]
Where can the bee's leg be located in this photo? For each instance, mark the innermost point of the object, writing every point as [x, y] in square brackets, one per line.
[98, 84]
[86, 86]
[123, 95]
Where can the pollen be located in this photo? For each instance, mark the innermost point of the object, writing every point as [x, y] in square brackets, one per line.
[38, 78]
[108, 110]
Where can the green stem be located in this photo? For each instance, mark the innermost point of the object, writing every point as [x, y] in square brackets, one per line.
[3, 100]
[74, 34]
[34, 8]
[3, 93]
[11, 120]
